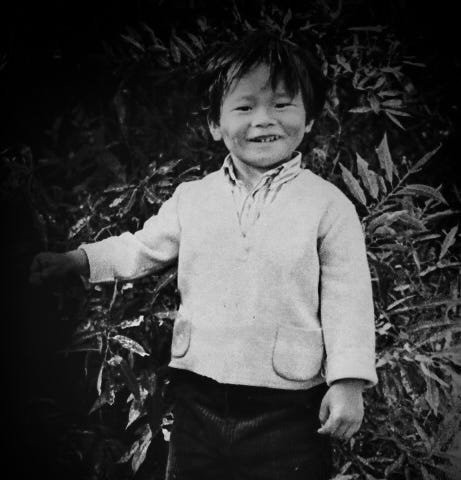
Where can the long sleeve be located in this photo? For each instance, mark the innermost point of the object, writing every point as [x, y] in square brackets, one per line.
[346, 303]
[130, 256]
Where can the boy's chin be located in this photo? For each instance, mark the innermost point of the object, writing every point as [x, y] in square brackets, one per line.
[267, 161]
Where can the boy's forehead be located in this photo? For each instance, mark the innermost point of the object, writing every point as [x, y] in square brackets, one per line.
[257, 78]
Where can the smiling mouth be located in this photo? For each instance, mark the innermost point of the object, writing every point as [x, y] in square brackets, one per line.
[265, 139]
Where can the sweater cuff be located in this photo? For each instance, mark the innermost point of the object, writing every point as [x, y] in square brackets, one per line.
[360, 365]
[100, 266]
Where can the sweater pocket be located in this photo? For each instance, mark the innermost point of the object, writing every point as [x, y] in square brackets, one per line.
[181, 336]
[298, 352]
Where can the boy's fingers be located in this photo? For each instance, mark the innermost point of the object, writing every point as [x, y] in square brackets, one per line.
[350, 431]
[39, 262]
[323, 412]
[41, 274]
[330, 426]
[35, 278]
[342, 431]
[35, 265]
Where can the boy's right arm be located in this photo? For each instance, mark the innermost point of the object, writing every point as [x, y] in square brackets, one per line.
[126, 257]
[49, 266]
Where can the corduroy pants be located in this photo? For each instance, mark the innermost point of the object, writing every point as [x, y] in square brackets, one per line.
[233, 432]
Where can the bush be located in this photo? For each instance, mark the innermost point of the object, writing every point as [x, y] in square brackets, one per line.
[108, 168]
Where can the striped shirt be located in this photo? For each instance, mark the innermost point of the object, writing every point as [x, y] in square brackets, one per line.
[249, 205]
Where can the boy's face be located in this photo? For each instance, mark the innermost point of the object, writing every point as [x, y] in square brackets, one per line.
[260, 127]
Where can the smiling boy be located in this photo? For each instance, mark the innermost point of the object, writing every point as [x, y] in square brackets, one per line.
[273, 343]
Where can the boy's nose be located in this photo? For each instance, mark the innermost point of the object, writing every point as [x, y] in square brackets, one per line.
[262, 118]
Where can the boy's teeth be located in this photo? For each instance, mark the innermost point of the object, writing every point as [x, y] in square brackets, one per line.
[265, 139]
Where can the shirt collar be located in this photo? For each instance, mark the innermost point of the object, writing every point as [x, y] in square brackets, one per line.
[283, 172]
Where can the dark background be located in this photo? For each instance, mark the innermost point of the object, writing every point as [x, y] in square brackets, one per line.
[50, 57]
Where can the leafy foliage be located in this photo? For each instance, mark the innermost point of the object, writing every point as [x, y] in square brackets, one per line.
[108, 168]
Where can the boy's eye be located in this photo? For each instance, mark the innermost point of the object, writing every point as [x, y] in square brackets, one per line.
[282, 104]
[243, 108]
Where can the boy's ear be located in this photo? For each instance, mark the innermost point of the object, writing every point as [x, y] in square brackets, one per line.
[309, 126]
[215, 131]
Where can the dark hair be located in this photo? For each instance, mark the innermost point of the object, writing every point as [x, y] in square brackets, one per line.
[297, 66]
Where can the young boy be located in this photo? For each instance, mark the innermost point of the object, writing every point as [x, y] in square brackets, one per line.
[274, 339]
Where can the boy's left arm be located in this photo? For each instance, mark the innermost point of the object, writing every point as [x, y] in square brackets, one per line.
[347, 316]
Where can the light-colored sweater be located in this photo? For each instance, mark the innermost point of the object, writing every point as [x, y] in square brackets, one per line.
[287, 306]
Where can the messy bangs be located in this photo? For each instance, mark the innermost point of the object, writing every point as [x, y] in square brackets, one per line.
[295, 66]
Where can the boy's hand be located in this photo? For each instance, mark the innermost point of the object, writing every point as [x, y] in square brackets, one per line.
[341, 410]
[48, 266]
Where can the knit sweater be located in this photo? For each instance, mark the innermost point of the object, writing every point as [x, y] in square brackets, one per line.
[288, 305]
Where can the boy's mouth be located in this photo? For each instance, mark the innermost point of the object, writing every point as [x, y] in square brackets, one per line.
[264, 138]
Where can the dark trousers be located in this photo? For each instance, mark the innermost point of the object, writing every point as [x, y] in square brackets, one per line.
[225, 432]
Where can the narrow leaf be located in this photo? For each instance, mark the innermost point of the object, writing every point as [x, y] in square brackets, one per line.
[394, 466]
[79, 338]
[184, 47]
[398, 302]
[117, 201]
[384, 157]
[130, 345]
[107, 398]
[133, 42]
[414, 64]
[168, 277]
[420, 163]
[140, 453]
[379, 83]
[393, 119]
[137, 408]
[432, 375]
[416, 190]
[132, 323]
[288, 16]
[374, 104]
[370, 28]
[453, 354]
[382, 184]
[423, 435]
[196, 41]
[385, 219]
[448, 302]
[368, 177]
[448, 241]
[409, 220]
[399, 113]
[360, 110]
[344, 63]
[151, 33]
[392, 102]
[175, 52]
[99, 379]
[389, 93]
[385, 231]
[129, 453]
[146, 433]
[432, 395]
[130, 379]
[353, 185]
[439, 215]
[75, 229]
[134, 413]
